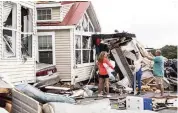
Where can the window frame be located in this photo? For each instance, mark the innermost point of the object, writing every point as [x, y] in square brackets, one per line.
[14, 56]
[27, 33]
[53, 45]
[43, 9]
[81, 49]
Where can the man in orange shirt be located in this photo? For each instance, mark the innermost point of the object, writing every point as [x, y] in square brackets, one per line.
[103, 75]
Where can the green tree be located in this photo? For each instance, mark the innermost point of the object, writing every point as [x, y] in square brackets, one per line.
[168, 51]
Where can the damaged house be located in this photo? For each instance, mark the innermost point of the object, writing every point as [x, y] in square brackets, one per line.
[64, 38]
[17, 41]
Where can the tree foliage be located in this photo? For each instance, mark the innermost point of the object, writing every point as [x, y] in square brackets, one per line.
[168, 51]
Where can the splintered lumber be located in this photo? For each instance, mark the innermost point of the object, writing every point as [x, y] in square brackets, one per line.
[122, 63]
[57, 88]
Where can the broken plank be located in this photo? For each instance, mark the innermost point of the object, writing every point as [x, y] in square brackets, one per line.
[57, 88]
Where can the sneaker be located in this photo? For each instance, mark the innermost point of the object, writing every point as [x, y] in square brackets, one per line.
[108, 96]
[100, 95]
[132, 92]
[138, 93]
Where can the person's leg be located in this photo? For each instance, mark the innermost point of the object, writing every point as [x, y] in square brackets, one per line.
[139, 76]
[107, 86]
[100, 85]
[160, 85]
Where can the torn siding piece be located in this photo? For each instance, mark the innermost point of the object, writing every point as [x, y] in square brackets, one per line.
[43, 97]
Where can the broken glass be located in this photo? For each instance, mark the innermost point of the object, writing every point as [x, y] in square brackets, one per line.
[86, 55]
[90, 28]
[77, 41]
[86, 42]
[26, 19]
[26, 48]
[78, 56]
[9, 43]
[85, 23]
[9, 15]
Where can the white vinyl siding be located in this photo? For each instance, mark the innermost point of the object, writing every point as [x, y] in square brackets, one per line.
[15, 68]
[56, 13]
[63, 54]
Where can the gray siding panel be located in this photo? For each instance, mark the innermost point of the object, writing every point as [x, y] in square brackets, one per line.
[63, 53]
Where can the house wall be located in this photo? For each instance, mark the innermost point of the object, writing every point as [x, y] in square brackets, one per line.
[56, 13]
[83, 73]
[14, 68]
[63, 53]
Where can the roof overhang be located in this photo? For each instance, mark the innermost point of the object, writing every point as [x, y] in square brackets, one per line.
[54, 27]
[48, 5]
[93, 18]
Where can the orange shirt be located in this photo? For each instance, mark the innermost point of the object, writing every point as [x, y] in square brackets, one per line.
[102, 69]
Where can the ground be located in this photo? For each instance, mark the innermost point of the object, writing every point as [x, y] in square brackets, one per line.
[115, 95]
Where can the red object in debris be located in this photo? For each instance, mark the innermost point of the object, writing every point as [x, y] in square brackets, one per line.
[45, 72]
[98, 41]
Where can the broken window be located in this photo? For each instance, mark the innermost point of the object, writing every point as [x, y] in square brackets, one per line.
[78, 56]
[85, 23]
[26, 31]
[9, 43]
[78, 42]
[44, 14]
[86, 42]
[26, 20]
[9, 14]
[26, 48]
[82, 49]
[9, 29]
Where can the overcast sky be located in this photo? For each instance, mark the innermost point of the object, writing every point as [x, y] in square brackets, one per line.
[155, 22]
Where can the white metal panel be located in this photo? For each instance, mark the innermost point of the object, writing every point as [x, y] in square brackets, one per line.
[83, 73]
[134, 103]
[24, 104]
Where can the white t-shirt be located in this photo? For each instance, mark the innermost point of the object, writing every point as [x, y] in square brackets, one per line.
[137, 64]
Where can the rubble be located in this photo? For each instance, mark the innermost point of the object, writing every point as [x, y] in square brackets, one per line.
[43, 97]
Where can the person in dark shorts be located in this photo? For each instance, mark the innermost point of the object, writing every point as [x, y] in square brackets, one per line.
[103, 75]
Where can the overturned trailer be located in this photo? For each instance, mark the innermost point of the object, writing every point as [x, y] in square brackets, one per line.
[123, 48]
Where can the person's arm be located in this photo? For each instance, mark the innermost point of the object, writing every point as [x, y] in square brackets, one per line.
[150, 57]
[108, 63]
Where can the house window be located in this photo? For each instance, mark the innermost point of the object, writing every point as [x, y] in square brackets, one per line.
[45, 49]
[82, 49]
[9, 29]
[85, 24]
[26, 31]
[44, 14]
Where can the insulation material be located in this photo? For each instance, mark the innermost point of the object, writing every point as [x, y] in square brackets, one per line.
[122, 64]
